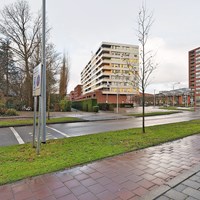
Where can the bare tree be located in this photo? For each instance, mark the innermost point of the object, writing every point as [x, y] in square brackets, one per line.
[147, 66]
[18, 25]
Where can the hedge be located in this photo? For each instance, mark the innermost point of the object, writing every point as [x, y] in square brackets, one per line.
[85, 105]
[111, 106]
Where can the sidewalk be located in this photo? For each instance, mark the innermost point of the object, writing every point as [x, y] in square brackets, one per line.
[131, 176]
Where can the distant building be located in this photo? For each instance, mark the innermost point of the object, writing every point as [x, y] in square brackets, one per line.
[178, 97]
[194, 75]
[112, 71]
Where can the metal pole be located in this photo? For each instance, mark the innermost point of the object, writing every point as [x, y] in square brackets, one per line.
[43, 71]
[117, 99]
[154, 98]
[107, 92]
[39, 125]
[173, 95]
[35, 119]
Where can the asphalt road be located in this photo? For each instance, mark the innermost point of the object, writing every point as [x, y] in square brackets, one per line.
[20, 135]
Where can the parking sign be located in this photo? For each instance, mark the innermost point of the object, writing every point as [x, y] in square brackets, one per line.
[37, 80]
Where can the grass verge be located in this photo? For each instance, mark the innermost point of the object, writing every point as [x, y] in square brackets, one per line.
[154, 113]
[20, 161]
[177, 108]
[21, 122]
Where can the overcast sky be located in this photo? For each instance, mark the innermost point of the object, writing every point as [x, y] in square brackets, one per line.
[79, 27]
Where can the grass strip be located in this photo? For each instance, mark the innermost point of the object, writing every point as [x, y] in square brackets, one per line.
[20, 161]
[175, 108]
[154, 113]
[21, 122]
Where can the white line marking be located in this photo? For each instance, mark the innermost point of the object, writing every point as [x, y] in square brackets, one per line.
[19, 139]
[64, 134]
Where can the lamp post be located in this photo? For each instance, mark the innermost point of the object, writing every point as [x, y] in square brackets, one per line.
[174, 92]
[107, 92]
[43, 110]
[117, 97]
[154, 102]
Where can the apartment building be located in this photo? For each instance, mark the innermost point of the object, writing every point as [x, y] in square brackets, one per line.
[113, 70]
[194, 75]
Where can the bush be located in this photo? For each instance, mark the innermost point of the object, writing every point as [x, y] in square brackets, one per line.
[85, 105]
[103, 106]
[96, 109]
[2, 109]
[107, 106]
[11, 112]
[111, 106]
[65, 105]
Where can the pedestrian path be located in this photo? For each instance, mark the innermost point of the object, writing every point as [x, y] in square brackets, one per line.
[188, 189]
[130, 176]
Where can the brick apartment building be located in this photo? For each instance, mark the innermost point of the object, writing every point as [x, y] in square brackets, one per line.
[194, 75]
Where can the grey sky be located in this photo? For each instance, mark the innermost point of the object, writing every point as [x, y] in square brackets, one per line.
[78, 27]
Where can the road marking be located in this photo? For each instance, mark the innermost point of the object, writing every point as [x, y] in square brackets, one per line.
[49, 136]
[19, 139]
[64, 134]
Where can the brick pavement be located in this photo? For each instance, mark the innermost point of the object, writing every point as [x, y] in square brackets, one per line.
[129, 176]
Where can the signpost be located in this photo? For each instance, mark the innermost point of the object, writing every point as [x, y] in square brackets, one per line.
[37, 81]
[36, 92]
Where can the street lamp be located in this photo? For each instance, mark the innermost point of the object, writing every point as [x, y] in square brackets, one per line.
[107, 92]
[117, 96]
[154, 102]
[174, 92]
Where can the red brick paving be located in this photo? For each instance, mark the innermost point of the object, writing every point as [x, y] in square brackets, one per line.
[127, 176]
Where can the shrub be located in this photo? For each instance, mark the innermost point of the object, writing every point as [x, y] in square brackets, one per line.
[85, 105]
[103, 106]
[96, 109]
[65, 105]
[2, 109]
[11, 112]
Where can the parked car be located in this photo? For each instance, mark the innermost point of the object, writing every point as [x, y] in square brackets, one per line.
[26, 108]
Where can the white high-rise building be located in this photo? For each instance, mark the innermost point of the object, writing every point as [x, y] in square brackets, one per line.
[112, 69]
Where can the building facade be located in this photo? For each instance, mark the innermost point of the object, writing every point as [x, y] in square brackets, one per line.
[113, 70]
[194, 75]
[178, 97]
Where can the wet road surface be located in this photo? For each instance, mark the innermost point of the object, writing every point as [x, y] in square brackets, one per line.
[20, 135]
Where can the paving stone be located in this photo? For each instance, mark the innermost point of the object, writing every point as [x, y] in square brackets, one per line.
[61, 192]
[107, 195]
[190, 198]
[125, 194]
[87, 196]
[180, 187]
[192, 192]
[140, 191]
[163, 198]
[96, 189]
[173, 194]
[191, 184]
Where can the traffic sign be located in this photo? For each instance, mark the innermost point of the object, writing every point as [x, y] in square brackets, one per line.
[37, 80]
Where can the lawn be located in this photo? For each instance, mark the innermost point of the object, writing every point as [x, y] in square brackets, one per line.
[20, 161]
[154, 113]
[20, 122]
[177, 108]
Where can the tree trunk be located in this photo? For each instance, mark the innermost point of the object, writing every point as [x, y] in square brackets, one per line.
[143, 111]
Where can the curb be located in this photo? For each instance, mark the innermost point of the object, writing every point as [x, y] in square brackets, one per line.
[171, 184]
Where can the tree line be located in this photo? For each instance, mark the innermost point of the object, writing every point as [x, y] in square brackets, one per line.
[20, 52]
